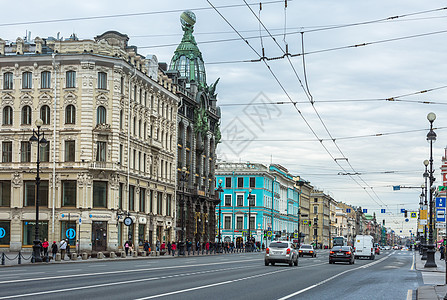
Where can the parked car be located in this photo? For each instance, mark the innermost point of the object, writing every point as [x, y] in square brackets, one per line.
[341, 254]
[387, 247]
[281, 252]
[307, 250]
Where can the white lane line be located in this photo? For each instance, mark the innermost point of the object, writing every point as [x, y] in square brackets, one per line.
[125, 271]
[333, 277]
[120, 283]
[410, 295]
[94, 266]
[70, 270]
[412, 265]
[211, 285]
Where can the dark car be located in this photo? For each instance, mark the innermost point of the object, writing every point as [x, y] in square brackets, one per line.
[342, 254]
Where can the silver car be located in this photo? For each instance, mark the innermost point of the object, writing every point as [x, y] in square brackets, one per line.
[281, 252]
[307, 250]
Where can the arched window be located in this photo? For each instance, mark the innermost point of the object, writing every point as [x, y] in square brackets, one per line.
[70, 114]
[26, 115]
[101, 115]
[7, 115]
[45, 114]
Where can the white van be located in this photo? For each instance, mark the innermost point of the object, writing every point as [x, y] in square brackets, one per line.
[364, 246]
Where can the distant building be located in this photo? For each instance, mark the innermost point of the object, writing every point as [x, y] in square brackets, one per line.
[305, 189]
[276, 201]
[320, 212]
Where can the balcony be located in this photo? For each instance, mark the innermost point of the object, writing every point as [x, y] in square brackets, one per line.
[103, 165]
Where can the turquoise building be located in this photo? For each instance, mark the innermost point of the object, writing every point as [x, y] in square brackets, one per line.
[274, 207]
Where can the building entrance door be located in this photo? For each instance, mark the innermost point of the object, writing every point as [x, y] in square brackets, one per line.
[99, 236]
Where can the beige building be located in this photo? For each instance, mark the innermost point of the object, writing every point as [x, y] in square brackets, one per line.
[305, 189]
[110, 116]
[320, 213]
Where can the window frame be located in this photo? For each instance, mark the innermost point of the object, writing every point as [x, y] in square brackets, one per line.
[101, 115]
[27, 80]
[70, 114]
[102, 80]
[70, 79]
[45, 114]
[8, 81]
[26, 114]
[45, 80]
[8, 115]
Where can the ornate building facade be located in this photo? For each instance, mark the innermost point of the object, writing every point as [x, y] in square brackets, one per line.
[198, 136]
[109, 115]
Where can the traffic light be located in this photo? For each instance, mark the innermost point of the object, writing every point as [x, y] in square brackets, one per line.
[383, 222]
[310, 223]
[405, 213]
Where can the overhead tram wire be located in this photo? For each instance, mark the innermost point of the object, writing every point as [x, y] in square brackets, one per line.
[310, 97]
[288, 96]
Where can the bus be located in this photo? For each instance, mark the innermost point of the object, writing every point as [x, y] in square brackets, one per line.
[339, 241]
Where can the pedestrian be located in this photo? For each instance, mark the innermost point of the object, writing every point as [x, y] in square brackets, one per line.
[63, 248]
[188, 246]
[169, 248]
[126, 247]
[130, 247]
[198, 248]
[207, 247]
[441, 250]
[203, 247]
[157, 245]
[68, 248]
[173, 248]
[54, 249]
[146, 247]
[45, 246]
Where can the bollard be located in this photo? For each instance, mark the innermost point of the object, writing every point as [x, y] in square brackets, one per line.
[58, 257]
[112, 255]
[134, 253]
[123, 254]
[100, 255]
[143, 253]
[3, 258]
[84, 256]
[74, 256]
[19, 259]
[153, 253]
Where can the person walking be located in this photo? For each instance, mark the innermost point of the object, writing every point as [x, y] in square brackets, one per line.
[441, 250]
[198, 248]
[54, 249]
[188, 247]
[126, 247]
[173, 248]
[157, 245]
[146, 247]
[169, 248]
[63, 248]
[45, 246]
[207, 247]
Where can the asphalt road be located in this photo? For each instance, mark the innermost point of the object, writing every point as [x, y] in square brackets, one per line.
[235, 276]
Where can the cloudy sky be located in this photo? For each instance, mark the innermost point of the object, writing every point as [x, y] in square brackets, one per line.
[350, 129]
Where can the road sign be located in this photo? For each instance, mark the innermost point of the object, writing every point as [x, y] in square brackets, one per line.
[348, 210]
[440, 201]
[269, 233]
[365, 210]
[406, 220]
[442, 188]
[304, 222]
[2, 232]
[402, 210]
[440, 215]
[80, 220]
[413, 215]
[70, 233]
[396, 187]
[382, 210]
[295, 235]
[440, 225]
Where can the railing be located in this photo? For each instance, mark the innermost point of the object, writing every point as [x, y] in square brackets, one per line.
[102, 165]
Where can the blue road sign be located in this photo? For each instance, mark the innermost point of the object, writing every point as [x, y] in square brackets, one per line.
[62, 215]
[2, 232]
[406, 220]
[348, 210]
[402, 210]
[396, 187]
[440, 201]
[80, 220]
[70, 233]
[382, 210]
[440, 215]
[365, 210]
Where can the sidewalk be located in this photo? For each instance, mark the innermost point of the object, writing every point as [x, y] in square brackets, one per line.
[434, 278]
[11, 258]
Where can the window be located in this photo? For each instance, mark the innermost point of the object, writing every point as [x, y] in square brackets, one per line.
[131, 198]
[239, 222]
[168, 204]
[5, 193]
[27, 80]
[227, 200]
[6, 237]
[240, 200]
[26, 115]
[228, 182]
[6, 151]
[99, 194]
[45, 80]
[252, 182]
[29, 231]
[120, 195]
[102, 80]
[8, 81]
[240, 182]
[121, 155]
[227, 222]
[315, 209]
[66, 225]
[45, 114]
[70, 79]
[69, 193]
[29, 197]
[101, 115]
[159, 203]
[44, 152]
[121, 119]
[122, 85]
[25, 151]
[142, 200]
[101, 151]
[315, 199]
[70, 114]
[69, 150]
[252, 223]
[7, 115]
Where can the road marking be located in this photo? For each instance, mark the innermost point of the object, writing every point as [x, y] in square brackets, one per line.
[97, 266]
[127, 282]
[211, 285]
[70, 270]
[412, 265]
[333, 277]
[410, 295]
[125, 271]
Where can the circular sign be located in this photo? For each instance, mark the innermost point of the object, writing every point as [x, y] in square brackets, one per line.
[128, 221]
[295, 235]
[406, 220]
[269, 233]
[2, 233]
[70, 233]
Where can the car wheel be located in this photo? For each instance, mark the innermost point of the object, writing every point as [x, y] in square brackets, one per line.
[353, 261]
[266, 263]
[290, 263]
[296, 262]
[272, 263]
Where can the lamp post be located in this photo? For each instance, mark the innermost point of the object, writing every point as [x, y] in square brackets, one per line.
[219, 237]
[38, 137]
[183, 179]
[250, 199]
[424, 246]
[421, 204]
[431, 137]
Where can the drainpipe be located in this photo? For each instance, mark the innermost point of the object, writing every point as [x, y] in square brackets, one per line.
[128, 140]
[54, 145]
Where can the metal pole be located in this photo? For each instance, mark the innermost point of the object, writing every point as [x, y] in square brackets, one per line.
[36, 247]
[424, 245]
[249, 219]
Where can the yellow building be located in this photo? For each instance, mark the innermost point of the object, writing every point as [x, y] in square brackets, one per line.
[109, 115]
[320, 213]
[305, 189]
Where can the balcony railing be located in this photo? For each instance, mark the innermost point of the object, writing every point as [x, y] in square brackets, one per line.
[103, 165]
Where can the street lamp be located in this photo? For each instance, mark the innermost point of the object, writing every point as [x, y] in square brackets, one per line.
[431, 137]
[183, 179]
[424, 246]
[421, 204]
[220, 190]
[38, 137]
[249, 198]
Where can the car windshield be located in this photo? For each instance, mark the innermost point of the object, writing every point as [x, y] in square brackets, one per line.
[336, 248]
[279, 245]
[306, 247]
[345, 248]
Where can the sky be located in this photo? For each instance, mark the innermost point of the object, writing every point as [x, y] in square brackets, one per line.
[333, 118]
